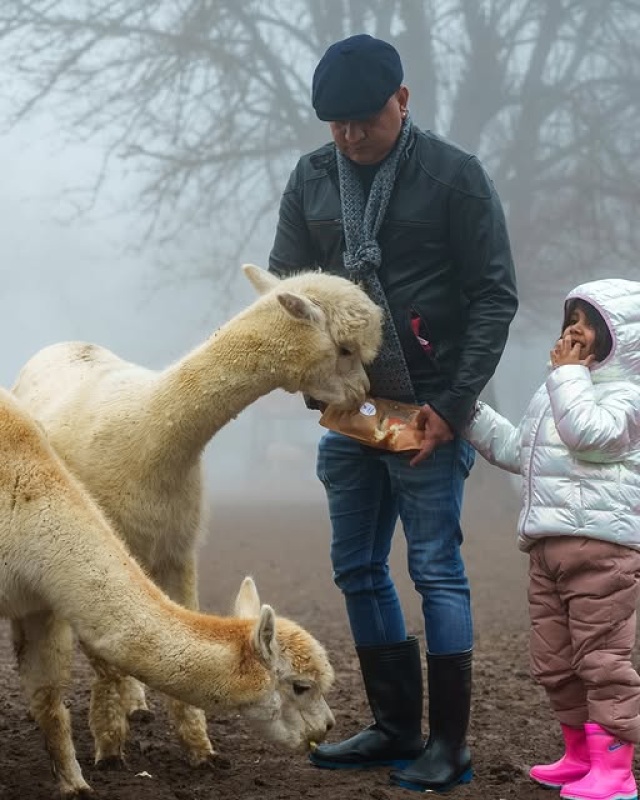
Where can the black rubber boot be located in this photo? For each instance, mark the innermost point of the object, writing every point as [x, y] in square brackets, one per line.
[393, 681]
[446, 760]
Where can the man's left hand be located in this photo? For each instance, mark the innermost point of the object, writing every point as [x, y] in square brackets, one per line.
[437, 431]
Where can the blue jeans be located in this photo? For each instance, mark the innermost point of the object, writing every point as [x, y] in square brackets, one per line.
[367, 490]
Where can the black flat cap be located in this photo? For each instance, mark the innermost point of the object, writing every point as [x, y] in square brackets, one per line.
[355, 78]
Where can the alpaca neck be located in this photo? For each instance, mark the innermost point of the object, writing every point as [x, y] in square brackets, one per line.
[198, 655]
[138, 630]
[196, 397]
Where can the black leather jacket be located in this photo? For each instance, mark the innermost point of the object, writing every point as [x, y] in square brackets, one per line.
[446, 259]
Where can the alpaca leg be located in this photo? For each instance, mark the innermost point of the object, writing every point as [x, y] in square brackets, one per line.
[134, 700]
[190, 725]
[107, 714]
[180, 582]
[43, 645]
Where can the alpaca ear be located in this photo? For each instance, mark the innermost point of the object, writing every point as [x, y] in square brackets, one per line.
[264, 636]
[261, 280]
[300, 307]
[247, 604]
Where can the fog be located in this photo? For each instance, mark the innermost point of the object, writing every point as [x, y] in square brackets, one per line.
[67, 276]
[148, 268]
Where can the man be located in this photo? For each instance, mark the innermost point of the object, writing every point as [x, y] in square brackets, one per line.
[417, 221]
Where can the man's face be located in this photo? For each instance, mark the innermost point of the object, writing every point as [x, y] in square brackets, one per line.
[368, 141]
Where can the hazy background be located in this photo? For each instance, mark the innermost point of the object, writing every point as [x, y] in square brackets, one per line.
[144, 146]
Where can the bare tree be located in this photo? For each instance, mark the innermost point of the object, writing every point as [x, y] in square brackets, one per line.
[208, 100]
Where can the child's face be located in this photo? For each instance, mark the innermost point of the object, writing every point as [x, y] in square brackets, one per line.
[581, 332]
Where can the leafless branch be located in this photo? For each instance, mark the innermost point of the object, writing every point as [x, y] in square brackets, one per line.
[207, 102]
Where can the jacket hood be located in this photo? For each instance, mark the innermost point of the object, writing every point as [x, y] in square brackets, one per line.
[618, 301]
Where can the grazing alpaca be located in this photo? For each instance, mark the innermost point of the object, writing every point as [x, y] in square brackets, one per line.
[134, 437]
[62, 568]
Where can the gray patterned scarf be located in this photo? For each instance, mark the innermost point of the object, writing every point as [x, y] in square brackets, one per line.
[388, 374]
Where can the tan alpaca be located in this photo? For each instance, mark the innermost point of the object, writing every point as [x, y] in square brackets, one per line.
[135, 437]
[62, 568]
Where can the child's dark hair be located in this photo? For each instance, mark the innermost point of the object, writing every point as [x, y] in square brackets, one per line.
[603, 343]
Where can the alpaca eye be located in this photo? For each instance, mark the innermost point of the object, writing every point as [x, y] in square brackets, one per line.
[344, 351]
[300, 688]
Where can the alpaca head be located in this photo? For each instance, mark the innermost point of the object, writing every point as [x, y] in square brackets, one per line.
[331, 329]
[291, 711]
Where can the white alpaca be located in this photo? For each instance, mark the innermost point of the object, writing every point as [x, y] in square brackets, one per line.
[134, 437]
[63, 568]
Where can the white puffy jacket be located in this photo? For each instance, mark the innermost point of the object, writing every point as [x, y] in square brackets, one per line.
[578, 444]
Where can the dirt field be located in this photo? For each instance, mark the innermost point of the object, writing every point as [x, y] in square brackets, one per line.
[285, 547]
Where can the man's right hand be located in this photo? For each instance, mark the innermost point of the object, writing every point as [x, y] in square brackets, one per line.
[437, 431]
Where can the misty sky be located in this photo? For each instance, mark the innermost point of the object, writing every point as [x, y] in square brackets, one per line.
[72, 278]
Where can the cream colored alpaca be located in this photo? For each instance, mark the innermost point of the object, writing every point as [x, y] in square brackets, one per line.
[135, 437]
[63, 568]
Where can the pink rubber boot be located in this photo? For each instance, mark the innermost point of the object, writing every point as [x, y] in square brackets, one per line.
[610, 776]
[573, 765]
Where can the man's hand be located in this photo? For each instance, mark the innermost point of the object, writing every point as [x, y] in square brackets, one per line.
[565, 353]
[436, 432]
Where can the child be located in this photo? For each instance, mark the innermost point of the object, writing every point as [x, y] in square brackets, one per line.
[578, 451]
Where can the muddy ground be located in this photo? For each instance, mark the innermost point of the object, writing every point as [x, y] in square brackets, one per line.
[278, 532]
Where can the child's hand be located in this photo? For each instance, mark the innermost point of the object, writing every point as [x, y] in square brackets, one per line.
[566, 353]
